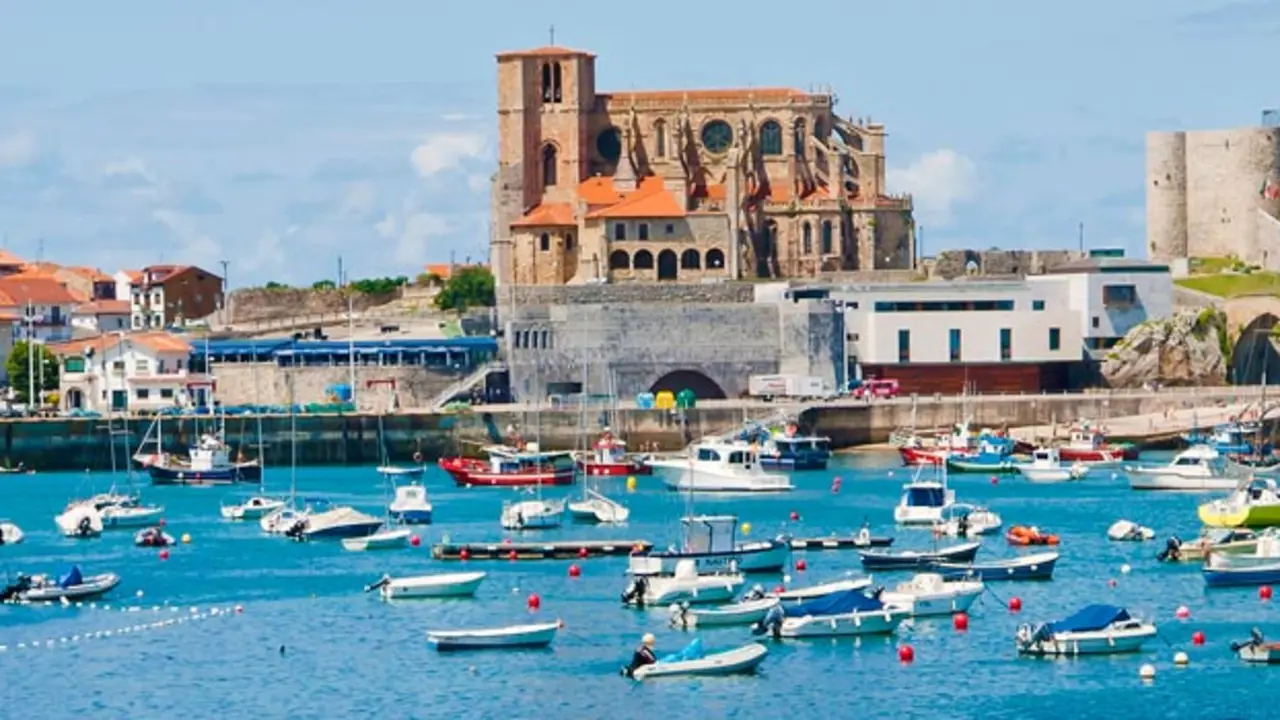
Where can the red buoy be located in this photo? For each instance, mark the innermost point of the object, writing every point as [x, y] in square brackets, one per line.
[906, 653]
[1182, 613]
[511, 555]
[1264, 593]
[801, 565]
[534, 602]
[1015, 604]
[464, 554]
[582, 552]
[574, 570]
[995, 480]
[164, 554]
[794, 516]
[779, 590]
[1197, 637]
[1111, 582]
[961, 621]
[415, 541]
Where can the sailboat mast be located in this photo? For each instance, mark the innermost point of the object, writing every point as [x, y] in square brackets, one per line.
[293, 443]
[257, 400]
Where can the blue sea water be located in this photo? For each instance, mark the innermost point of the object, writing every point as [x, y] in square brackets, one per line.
[310, 644]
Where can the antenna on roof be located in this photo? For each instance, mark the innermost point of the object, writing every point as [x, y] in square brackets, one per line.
[553, 35]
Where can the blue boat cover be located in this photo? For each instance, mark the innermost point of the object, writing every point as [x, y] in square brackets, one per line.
[837, 603]
[72, 578]
[1092, 617]
[692, 651]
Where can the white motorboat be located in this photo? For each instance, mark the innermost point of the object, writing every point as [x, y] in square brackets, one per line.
[686, 585]
[723, 467]
[392, 539]
[730, 662]
[1046, 466]
[1197, 468]
[816, 591]
[71, 586]
[254, 508]
[1127, 531]
[513, 636]
[848, 613]
[130, 516]
[924, 501]
[1094, 630]
[10, 534]
[410, 505]
[282, 520]
[80, 521]
[745, 612]
[596, 508]
[711, 542]
[532, 515]
[392, 471]
[964, 520]
[339, 522]
[932, 594]
[153, 537]
[461, 584]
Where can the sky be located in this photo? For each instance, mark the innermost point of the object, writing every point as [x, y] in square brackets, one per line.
[280, 136]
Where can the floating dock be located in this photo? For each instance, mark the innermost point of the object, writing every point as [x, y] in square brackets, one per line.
[564, 550]
[848, 542]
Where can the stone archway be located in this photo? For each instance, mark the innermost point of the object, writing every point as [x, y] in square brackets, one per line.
[703, 387]
[668, 266]
[1255, 355]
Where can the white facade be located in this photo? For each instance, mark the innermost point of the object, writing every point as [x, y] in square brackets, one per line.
[91, 318]
[124, 284]
[1111, 296]
[122, 372]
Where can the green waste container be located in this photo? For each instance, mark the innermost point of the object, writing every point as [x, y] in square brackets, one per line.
[685, 399]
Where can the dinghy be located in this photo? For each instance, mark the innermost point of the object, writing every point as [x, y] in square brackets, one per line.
[1046, 466]
[71, 586]
[967, 521]
[1126, 531]
[692, 662]
[513, 636]
[849, 613]
[913, 559]
[597, 508]
[745, 612]
[1257, 650]
[1221, 541]
[10, 534]
[254, 508]
[1094, 630]
[1024, 536]
[816, 591]
[932, 594]
[532, 515]
[686, 585]
[153, 537]
[393, 539]
[80, 521]
[1027, 567]
[462, 584]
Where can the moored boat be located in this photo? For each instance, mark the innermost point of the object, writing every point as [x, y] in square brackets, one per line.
[70, 586]
[711, 542]
[596, 508]
[1127, 531]
[685, 585]
[1094, 630]
[1254, 503]
[1088, 444]
[392, 539]
[395, 472]
[924, 501]
[850, 613]
[1257, 650]
[809, 592]
[10, 533]
[919, 559]
[1026, 567]
[721, 467]
[153, 537]
[80, 521]
[932, 594]
[789, 449]
[253, 508]
[208, 463]
[1195, 469]
[534, 635]
[442, 585]
[1024, 536]
[1046, 466]
[738, 661]
[744, 612]
[410, 505]
[1242, 575]
[338, 522]
[511, 467]
[532, 515]
[967, 521]
[1212, 540]
[609, 458]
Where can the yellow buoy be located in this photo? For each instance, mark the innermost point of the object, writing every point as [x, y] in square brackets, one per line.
[186, 537]
[631, 484]
[746, 528]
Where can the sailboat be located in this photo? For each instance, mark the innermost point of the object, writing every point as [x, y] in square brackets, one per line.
[536, 514]
[594, 507]
[286, 517]
[260, 505]
[410, 505]
[113, 509]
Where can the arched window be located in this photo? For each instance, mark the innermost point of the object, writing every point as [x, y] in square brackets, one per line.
[643, 260]
[568, 241]
[555, 83]
[690, 260]
[807, 231]
[546, 83]
[668, 268]
[826, 237]
[799, 137]
[549, 161]
[544, 242]
[619, 260]
[715, 259]
[660, 139]
[771, 138]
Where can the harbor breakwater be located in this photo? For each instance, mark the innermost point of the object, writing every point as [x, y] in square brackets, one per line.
[354, 439]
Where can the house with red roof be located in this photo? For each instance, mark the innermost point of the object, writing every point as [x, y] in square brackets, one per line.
[141, 371]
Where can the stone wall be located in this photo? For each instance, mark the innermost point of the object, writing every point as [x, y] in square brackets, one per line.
[268, 384]
[951, 264]
[725, 292]
[257, 304]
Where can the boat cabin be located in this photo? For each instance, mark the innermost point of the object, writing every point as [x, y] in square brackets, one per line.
[929, 494]
[411, 495]
[609, 450]
[735, 455]
[1046, 457]
[709, 533]
[510, 461]
[209, 453]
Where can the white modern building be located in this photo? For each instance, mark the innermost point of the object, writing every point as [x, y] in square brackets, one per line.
[135, 372]
[102, 316]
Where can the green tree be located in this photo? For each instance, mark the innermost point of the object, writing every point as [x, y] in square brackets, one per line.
[323, 285]
[273, 285]
[468, 287]
[379, 286]
[17, 367]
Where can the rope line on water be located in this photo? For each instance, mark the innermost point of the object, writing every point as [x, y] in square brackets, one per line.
[193, 614]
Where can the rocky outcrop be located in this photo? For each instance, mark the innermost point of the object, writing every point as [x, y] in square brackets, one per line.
[1191, 348]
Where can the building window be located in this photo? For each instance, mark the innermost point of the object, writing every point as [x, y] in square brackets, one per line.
[799, 137]
[619, 231]
[643, 260]
[544, 242]
[1006, 344]
[619, 260]
[142, 393]
[555, 83]
[715, 259]
[1120, 296]
[807, 235]
[568, 241]
[166, 393]
[1096, 322]
[944, 306]
[1055, 339]
[671, 229]
[1037, 304]
[771, 138]
[904, 346]
[717, 136]
[643, 231]
[660, 138]
[955, 344]
[690, 260]
[548, 165]
[142, 367]
[826, 237]
[546, 83]
[609, 144]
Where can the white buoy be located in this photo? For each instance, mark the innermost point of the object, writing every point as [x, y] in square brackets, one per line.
[1125, 569]
[138, 594]
[786, 579]
[1147, 672]
[1180, 659]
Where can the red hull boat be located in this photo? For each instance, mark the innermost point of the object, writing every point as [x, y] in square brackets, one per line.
[1088, 444]
[609, 459]
[921, 456]
[509, 467]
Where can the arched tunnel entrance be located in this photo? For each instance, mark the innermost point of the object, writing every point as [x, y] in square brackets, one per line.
[1255, 354]
[703, 387]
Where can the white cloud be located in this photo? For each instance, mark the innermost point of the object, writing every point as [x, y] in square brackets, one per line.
[419, 229]
[18, 150]
[447, 151]
[129, 168]
[268, 256]
[458, 117]
[359, 198]
[194, 246]
[937, 181]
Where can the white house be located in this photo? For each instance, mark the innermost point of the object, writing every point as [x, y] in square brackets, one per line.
[43, 303]
[124, 283]
[100, 316]
[134, 372]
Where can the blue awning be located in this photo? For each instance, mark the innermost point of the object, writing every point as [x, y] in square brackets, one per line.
[839, 603]
[1092, 617]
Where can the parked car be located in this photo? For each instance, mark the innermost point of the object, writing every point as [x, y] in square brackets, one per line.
[877, 388]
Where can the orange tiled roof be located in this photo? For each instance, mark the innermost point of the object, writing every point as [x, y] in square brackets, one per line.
[160, 341]
[650, 200]
[767, 94]
[599, 190]
[8, 258]
[24, 289]
[88, 273]
[103, 307]
[442, 270]
[548, 215]
[545, 51]
[711, 191]
[135, 276]
[156, 341]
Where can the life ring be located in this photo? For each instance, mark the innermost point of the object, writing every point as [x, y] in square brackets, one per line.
[417, 457]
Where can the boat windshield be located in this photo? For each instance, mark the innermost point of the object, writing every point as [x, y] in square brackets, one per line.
[926, 497]
[708, 455]
[707, 535]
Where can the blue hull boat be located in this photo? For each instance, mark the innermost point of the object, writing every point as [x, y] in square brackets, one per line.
[412, 517]
[814, 461]
[1268, 574]
[250, 472]
[1028, 567]
[913, 560]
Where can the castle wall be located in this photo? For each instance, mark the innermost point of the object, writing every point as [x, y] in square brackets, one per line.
[1225, 172]
[1167, 195]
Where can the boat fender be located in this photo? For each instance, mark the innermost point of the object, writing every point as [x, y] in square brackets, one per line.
[417, 457]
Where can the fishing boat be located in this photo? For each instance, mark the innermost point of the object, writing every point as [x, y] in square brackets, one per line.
[924, 501]
[1087, 443]
[594, 507]
[10, 533]
[849, 613]
[532, 514]
[989, 457]
[207, 463]
[1094, 630]
[461, 584]
[80, 521]
[70, 586]
[711, 543]
[410, 505]
[390, 539]
[609, 458]
[1195, 469]
[1225, 541]
[1046, 466]
[684, 585]
[254, 508]
[722, 467]
[744, 612]
[1027, 536]
[536, 635]
[810, 592]
[968, 521]
[1216, 576]
[153, 537]
[1254, 503]
[1027, 567]
[788, 449]
[507, 466]
[693, 663]
[919, 559]
[414, 472]
[1128, 531]
[932, 594]
[1257, 650]
[1227, 438]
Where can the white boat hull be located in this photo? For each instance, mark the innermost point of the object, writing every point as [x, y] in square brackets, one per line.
[1161, 480]
[252, 509]
[874, 622]
[10, 534]
[697, 589]
[516, 636]
[816, 591]
[385, 540]
[742, 613]
[954, 597]
[917, 515]
[598, 509]
[1051, 475]
[130, 517]
[700, 481]
[433, 586]
[89, 587]
[1097, 642]
[731, 662]
[757, 556]
[80, 521]
[532, 515]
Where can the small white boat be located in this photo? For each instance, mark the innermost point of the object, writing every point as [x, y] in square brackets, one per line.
[1127, 531]
[392, 539]
[686, 585]
[10, 534]
[816, 591]
[746, 612]
[924, 501]
[1257, 650]
[513, 636]
[72, 586]
[1094, 630]
[597, 508]
[410, 505]
[724, 467]
[284, 519]
[1046, 466]
[462, 584]
[532, 515]
[254, 508]
[730, 662]
[339, 522]
[840, 614]
[153, 537]
[931, 594]
[964, 520]
[80, 521]
[414, 472]
[1195, 469]
[130, 516]
[711, 541]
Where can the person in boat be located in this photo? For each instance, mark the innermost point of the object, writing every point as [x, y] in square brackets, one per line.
[643, 655]
[755, 593]
[864, 535]
[962, 525]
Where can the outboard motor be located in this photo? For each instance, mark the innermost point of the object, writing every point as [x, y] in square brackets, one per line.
[382, 582]
[755, 593]
[1255, 640]
[635, 594]
[771, 624]
[85, 528]
[1172, 550]
[19, 586]
[295, 531]
[680, 615]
